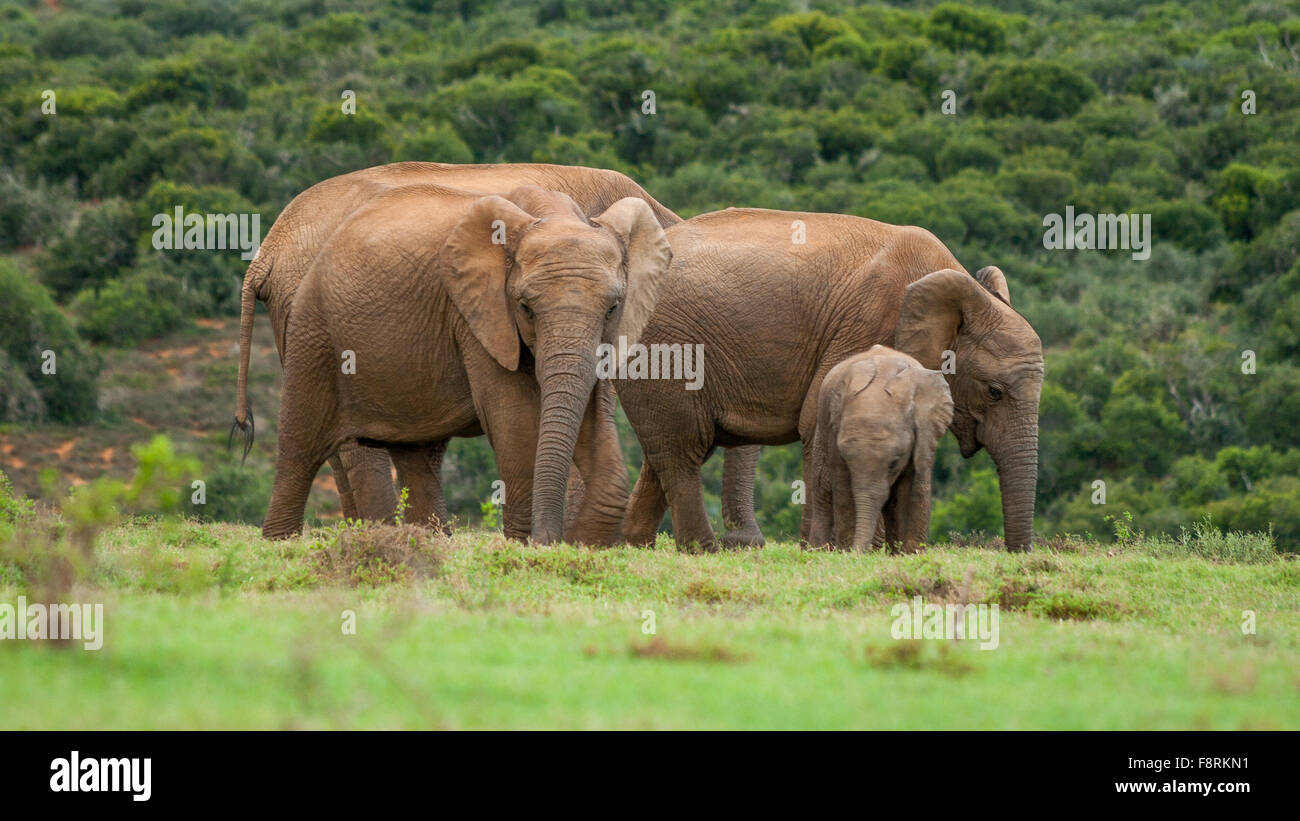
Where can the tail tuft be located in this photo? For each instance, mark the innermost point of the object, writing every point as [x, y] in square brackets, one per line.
[246, 427]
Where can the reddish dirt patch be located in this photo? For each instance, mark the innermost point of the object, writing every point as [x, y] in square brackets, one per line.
[214, 324]
[107, 455]
[63, 450]
[176, 353]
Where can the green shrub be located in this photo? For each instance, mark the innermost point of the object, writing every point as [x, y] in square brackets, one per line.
[235, 494]
[35, 337]
[13, 506]
[128, 310]
[100, 247]
[961, 28]
[1046, 89]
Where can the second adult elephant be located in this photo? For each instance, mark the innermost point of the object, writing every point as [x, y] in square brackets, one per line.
[433, 312]
[774, 315]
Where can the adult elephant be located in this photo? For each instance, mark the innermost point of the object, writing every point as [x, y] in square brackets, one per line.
[434, 312]
[363, 474]
[774, 315]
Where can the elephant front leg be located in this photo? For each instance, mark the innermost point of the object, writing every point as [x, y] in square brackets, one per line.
[646, 509]
[574, 495]
[599, 459]
[508, 405]
[739, 466]
[819, 500]
[912, 509]
[844, 511]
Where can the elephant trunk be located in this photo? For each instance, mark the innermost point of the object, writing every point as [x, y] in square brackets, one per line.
[868, 500]
[1017, 463]
[566, 372]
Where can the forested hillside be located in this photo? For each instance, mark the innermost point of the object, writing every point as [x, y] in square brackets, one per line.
[1174, 379]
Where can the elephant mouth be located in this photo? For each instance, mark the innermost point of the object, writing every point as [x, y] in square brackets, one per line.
[963, 427]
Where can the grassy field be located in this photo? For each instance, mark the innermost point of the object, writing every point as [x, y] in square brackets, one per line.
[209, 626]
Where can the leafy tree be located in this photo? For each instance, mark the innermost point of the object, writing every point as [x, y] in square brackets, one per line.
[1046, 89]
[47, 366]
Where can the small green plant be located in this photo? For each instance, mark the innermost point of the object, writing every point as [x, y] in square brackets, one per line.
[491, 515]
[403, 504]
[12, 505]
[1123, 527]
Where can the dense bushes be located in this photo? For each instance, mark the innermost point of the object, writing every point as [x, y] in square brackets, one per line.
[46, 371]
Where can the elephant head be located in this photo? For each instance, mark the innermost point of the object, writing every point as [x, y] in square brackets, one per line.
[531, 267]
[891, 414]
[996, 375]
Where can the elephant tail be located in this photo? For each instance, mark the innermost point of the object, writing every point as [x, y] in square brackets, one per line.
[258, 270]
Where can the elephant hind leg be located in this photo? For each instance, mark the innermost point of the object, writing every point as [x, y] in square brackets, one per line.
[370, 475]
[308, 434]
[293, 480]
[738, 468]
[685, 492]
[646, 509]
[419, 468]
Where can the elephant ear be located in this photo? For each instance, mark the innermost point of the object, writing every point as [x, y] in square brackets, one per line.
[860, 377]
[933, 403]
[646, 257]
[472, 267]
[990, 276]
[934, 307]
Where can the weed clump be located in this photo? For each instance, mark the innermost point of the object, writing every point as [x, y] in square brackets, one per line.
[578, 565]
[375, 555]
[935, 656]
[707, 591]
[660, 648]
[917, 576]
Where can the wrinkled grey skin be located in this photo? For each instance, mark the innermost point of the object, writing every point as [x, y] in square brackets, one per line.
[880, 416]
[775, 316]
[363, 474]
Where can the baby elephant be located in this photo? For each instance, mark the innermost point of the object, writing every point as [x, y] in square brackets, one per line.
[879, 418]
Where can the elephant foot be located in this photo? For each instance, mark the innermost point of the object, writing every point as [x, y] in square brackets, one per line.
[544, 536]
[639, 536]
[280, 533]
[592, 540]
[697, 547]
[744, 537]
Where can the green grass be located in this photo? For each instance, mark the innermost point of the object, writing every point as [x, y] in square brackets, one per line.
[209, 626]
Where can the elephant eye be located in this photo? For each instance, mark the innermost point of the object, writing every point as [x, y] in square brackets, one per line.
[528, 312]
[995, 392]
[611, 310]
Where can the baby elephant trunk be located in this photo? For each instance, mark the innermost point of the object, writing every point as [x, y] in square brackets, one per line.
[869, 494]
